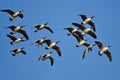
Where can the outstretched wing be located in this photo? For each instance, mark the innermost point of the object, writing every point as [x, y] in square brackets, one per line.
[8, 11]
[23, 52]
[83, 17]
[48, 28]
[108, 55]
[85, 53]
[11, 37]
[92, 34]
[24, 33]
[93, 25]
[51, 60]
[57, 49]
[21, 15]
[79, 25]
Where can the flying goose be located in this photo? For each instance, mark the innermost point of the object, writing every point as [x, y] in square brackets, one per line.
[74, 31]
[87, 20]
[44, 57]
[14, 39]
[88, 48]
[80, 41]
[13, 14]
[43, 26]
[18, 29]
[85, 30]
[40, 41]
[53, 45]
[104, 50]
[17, 51]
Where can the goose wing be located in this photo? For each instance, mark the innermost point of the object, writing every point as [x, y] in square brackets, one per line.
[37, 26]
[92, 34]
[21, 15]
[85, 53]
[48, 28]
[69, 29]
[51, 60]
[8, 11]
[77, 37]
[108, 55]
[57, 49]
[12, 27]
[23, 51]
[48, 42]
[24, 33]
[79, 34]
[79, 25]
[83, 17]
[93, 25]
[11, 37]
[100, 45]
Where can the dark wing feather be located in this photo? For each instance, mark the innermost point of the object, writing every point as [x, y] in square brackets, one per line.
[100, 45]
[48, 42]
[57, 49]
[83, 17]
[92, 34]
[24, 33]
[11, 37]
[77, 37]
[23, 52]
[21, 15]
[48, 28]
[93, 25]
[79, 34]
[51, 60]
[79, 25]
[69, 29]
[12, 27]
[108, 55]
[37, 26]
[8, 11]
[85, 53]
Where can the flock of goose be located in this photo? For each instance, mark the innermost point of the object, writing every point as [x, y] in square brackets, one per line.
[75, 32]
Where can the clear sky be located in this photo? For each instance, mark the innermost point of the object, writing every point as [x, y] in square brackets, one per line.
[60, 14]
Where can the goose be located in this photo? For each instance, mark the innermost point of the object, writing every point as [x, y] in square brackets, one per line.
[17, 51]
[88, 48]
[18, 29]
[74, 31]
[80, 41]
[104, 50]
[85, 30]
[87, 20]
[43, 26]
[40, 41]
[53, 45]
[13, 14]
[44, 57]
[14, 39]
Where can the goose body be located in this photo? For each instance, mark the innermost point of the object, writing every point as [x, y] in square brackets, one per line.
[85, 30]
[13, 14]
[47, 56]
[80, 41]
[18, 29]
[43, 26]
[88, 20]
[53, 45]
[104, 50]
[88, 48]
[40, 41]
[17, 51]
[14, 39]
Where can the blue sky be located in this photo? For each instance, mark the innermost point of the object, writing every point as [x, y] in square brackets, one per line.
[60, 14]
